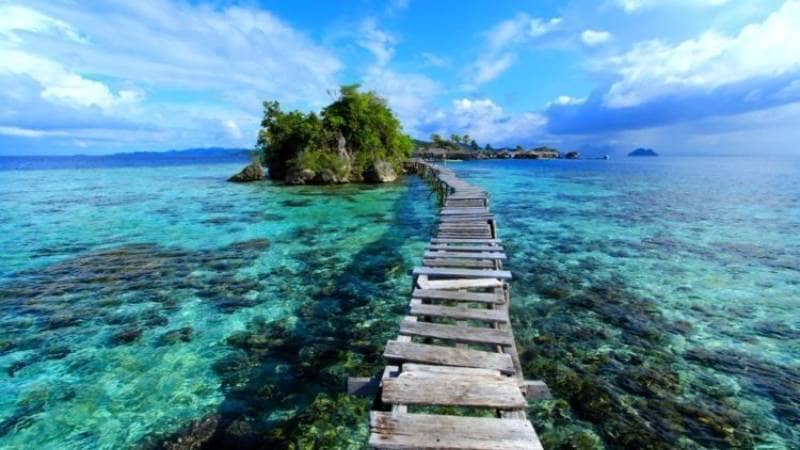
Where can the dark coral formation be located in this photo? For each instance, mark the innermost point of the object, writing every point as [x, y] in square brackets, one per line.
[297, 368]
[60, 298]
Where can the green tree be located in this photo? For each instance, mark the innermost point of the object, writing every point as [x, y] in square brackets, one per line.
[283, 136]
[438, 140]
[369, 127]
[370, 132]
[474, 145]
[519, 148]
[488, 147]
[456, 139]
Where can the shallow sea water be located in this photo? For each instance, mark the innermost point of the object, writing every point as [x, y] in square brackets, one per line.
[134, 300]
[657, 297]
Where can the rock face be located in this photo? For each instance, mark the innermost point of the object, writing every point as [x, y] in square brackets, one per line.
[380, 172]
[253, 172]
[299, 176]
[643, 152]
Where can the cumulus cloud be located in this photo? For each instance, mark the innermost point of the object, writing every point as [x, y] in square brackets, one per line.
[408, 94]
[499, 52]
[61, 85]
[137, 61]
[653, 68]
[595, 37]
[487, 122]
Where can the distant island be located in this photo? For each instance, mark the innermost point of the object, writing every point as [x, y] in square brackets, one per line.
[132, 159]
[643, 152]
[466, 148]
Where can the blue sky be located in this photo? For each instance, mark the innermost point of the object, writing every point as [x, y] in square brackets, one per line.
[682, 76]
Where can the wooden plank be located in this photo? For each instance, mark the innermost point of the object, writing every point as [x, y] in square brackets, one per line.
[463, 273]
[461, 211]
[485, 315]
[465, 233]
[480, 218]
[467, 228]
[461, 296]
[453, 389]
[465, 283]
[468, 196]
[467, 335]
[455, 254]
[429, 431]
[448, 370]
[465, 241]
[450, 234]
[464, 226]
[450, 356]
[465, 203]
[465, 248]
[456, 263]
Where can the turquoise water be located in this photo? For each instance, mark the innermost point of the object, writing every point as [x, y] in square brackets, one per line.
[135, 300]
[657, 297]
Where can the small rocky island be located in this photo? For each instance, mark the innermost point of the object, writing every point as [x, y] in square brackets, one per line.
[357, 138]
[643, 152]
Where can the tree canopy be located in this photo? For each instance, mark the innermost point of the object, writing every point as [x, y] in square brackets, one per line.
[342, 143]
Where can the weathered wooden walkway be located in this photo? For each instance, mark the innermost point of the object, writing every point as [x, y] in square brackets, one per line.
[455, 353]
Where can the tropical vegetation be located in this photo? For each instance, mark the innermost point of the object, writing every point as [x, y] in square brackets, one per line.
[355, 138]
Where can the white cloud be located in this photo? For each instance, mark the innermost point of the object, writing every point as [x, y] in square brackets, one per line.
[376, 41]
[567, 100]
[192, 61]
[490, 68]
[434, 60]
[632, 6]
[22, 132]
[232, 128]
[653, 68]
[14, 18]
[408, 94]
[499, 51]
[487, 122]
[60, 85]
[595, 37]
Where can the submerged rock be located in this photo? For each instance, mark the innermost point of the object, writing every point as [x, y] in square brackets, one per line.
[184, 334]
[253, 172]
[380, 172]
[126, 336]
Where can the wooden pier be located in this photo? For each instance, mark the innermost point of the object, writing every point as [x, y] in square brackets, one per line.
[455, 352]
